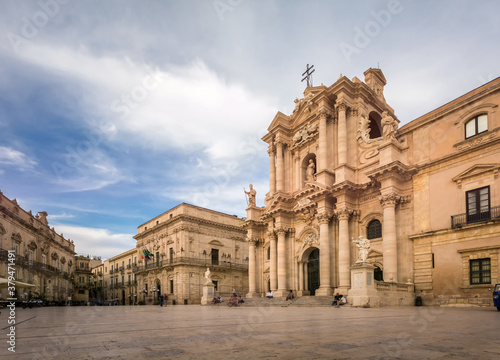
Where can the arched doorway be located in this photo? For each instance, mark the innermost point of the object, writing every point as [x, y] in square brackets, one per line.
[313, 271]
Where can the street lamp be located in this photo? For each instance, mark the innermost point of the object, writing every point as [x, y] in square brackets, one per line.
[153, 290]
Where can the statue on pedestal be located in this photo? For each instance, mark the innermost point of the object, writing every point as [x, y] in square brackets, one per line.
[363, 248]
[251, 195]
[208, 278]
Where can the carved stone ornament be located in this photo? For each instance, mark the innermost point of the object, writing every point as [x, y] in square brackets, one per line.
[343, 214]
[324, 218]
[17, 238]
[389, 200]
[311, 239]
[63, 260]
[54, 256]
[304, 134]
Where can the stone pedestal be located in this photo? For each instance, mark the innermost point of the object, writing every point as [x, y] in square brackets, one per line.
[363, 292]
[208, 294]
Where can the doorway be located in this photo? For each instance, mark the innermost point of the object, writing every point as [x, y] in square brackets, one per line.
[313, 271]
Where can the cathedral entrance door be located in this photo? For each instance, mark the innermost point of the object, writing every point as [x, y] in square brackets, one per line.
[313, 271]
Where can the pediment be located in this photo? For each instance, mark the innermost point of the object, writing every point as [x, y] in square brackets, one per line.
[216, 243]
[477, 170]
[279, 119]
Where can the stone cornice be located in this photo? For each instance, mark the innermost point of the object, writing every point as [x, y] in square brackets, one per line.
[182, 227]
[395, 169]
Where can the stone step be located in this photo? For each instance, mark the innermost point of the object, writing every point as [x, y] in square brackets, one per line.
[305, 301]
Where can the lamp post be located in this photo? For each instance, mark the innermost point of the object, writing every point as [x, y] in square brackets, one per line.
[144, 291]
[153, 291]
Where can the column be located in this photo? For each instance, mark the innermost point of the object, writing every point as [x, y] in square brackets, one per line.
[344, 250]
[325, 288]
[321, 163]
[279, 167]
[342, 133]
[282, 261]
[298, 179]
[389, 244]
[251, 268]
[301, 276]
[306, 275]
[273, 263]
[272, 170]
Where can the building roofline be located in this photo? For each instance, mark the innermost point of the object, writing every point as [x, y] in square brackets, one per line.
[192, 206]
[450, 106]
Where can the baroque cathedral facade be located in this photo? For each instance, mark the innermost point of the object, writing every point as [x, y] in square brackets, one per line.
[426, 195]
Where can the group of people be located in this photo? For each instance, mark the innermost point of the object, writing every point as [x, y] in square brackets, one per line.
[290, 295]
[235, 300]
[339, 300]
[162, 299]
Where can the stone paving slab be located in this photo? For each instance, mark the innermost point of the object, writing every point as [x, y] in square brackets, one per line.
[221, 332]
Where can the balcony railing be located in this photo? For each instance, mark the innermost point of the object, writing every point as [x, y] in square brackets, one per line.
[191, 261]
[464, 219]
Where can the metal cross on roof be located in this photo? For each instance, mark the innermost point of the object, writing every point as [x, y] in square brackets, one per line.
[308, 74]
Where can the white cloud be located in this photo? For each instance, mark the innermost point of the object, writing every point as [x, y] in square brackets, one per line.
[89, 240]
[166, 107]
[83, 171]
[15, 158]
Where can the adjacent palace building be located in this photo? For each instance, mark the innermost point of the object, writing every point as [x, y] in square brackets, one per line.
[426, 194]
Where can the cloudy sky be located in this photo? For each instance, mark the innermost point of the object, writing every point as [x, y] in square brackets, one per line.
[113, 112]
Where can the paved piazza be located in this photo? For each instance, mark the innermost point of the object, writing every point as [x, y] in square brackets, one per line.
[220, 332]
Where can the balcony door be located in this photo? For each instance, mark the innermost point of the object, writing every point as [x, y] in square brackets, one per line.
[478, 204]
[215, 257]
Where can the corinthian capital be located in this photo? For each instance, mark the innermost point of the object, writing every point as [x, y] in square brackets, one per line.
[390, 200]
[281, 230]
[341, 105]
[324, 113]
[343, 214]
[324, 218]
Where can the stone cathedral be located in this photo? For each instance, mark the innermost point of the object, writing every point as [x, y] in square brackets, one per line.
[341, 168]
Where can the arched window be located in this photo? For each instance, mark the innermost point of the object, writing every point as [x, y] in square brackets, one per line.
[375, 125]
[476, 125]
[374, 229]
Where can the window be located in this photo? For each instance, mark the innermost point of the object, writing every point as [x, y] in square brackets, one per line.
[82, 265]
[476, 125]
[216, 285]
[480, 271]
[269, 253]
[215, 257]
[171, 286]
[374, 229]
[15, 247]
[123, 279]
[44, 260]
[31, 255]
[81, 279]
[478, 204]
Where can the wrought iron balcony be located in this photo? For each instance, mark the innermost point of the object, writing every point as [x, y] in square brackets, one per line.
[464, 219]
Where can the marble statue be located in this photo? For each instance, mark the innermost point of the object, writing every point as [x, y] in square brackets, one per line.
[311, 170]
[363, 248]
[389, 126]
[251, 195]
[208, 277]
